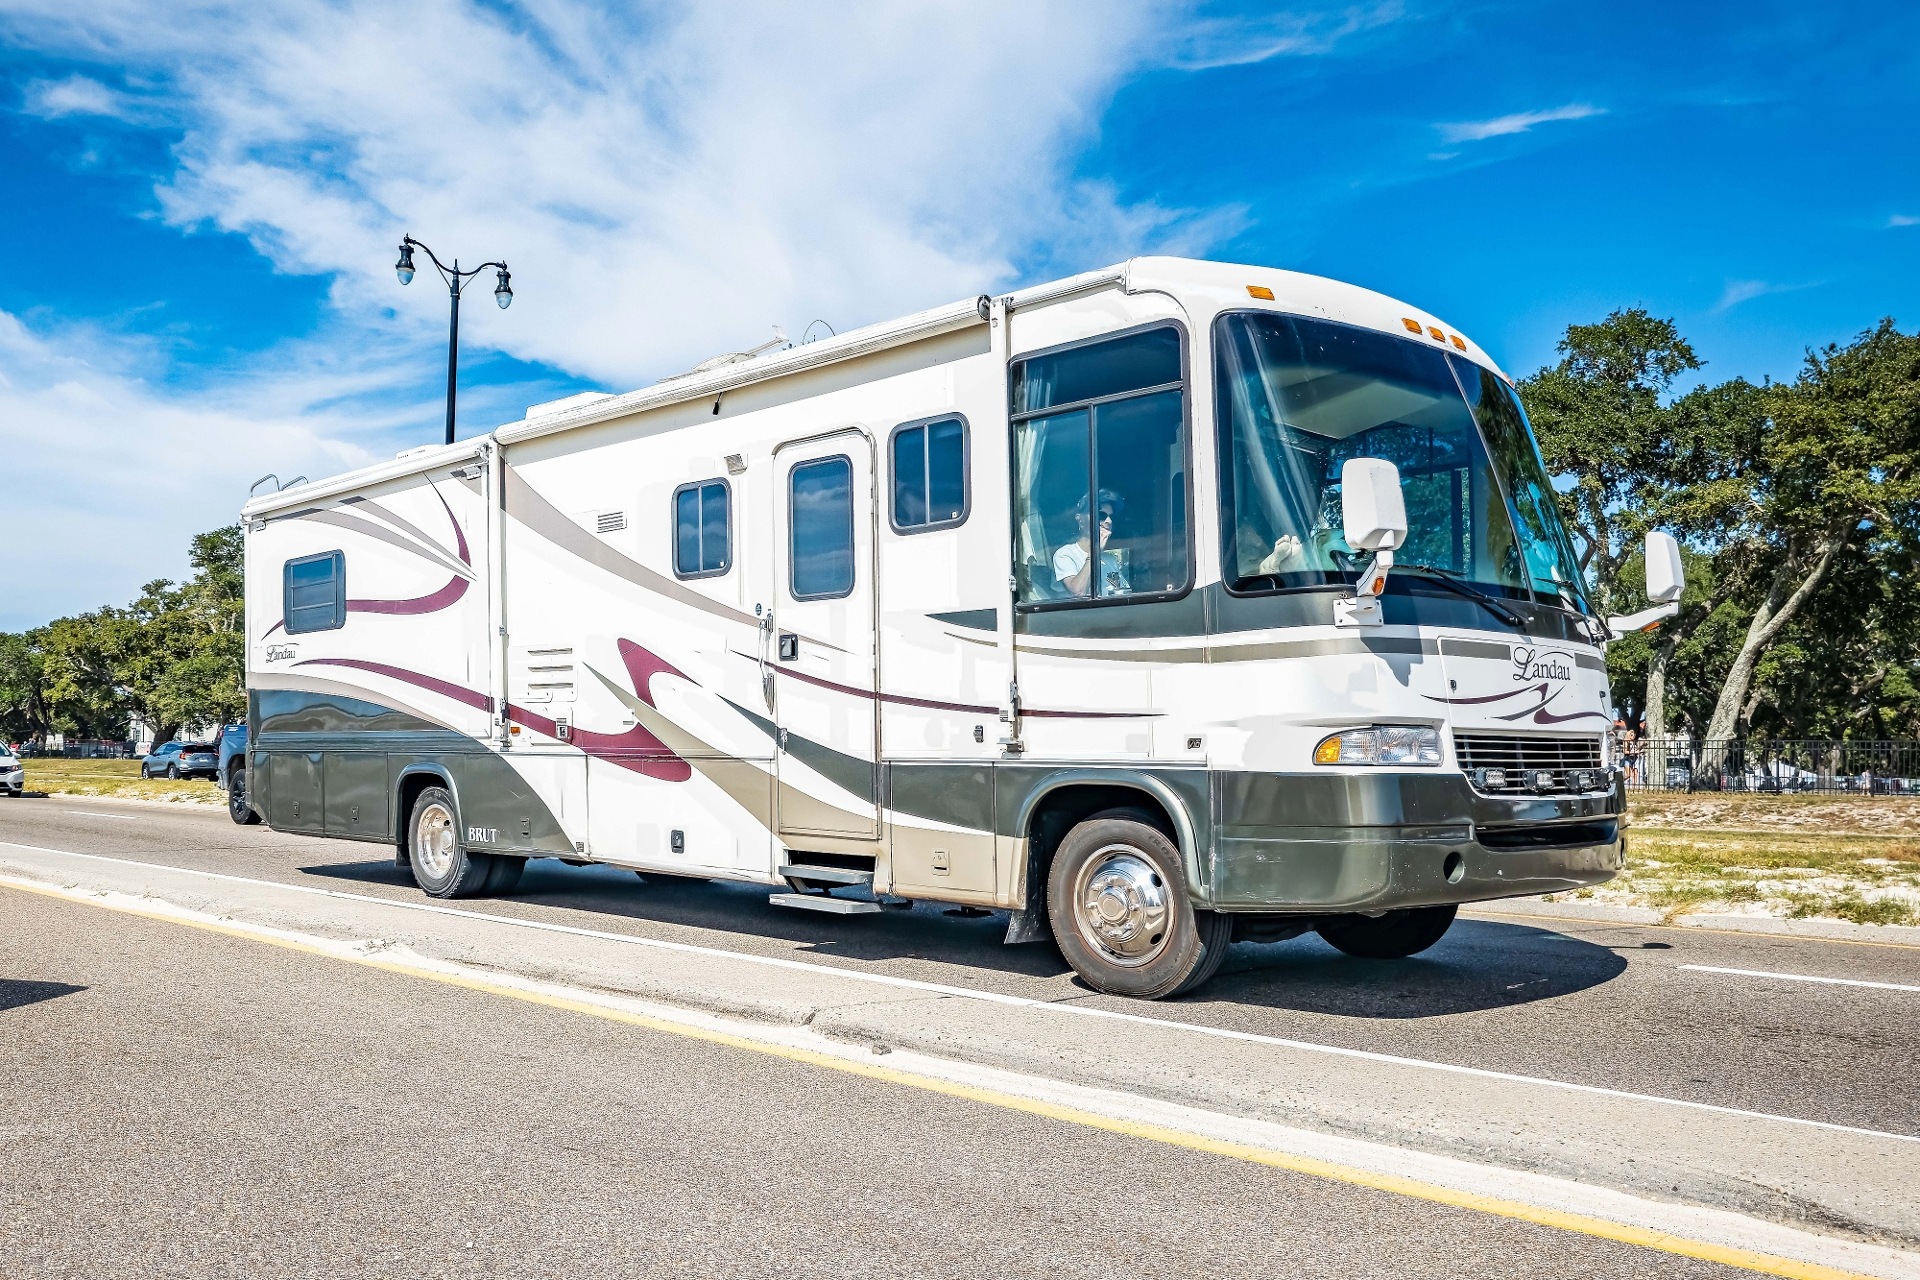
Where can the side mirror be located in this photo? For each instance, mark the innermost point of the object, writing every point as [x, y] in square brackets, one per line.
[1375, 518]
[1371, 505]
[1666, 579]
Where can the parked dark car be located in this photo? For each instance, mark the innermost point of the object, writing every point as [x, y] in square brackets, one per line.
[182, 760]
[232, 776]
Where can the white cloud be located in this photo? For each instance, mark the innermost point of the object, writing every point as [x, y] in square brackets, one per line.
[1519, 122]
[108, 476]
[1739, 291]
[1204, 43]
[664, 184]
[79, 95]
[1903, 220]
[666, 180]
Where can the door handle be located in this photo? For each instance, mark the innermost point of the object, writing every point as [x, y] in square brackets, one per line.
[789, 647]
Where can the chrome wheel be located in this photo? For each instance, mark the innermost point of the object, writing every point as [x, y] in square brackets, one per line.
[1122, 906]
[434, 841]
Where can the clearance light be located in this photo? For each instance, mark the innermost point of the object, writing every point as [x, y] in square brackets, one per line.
[1381, 744]
[1260, 291]
[1459, 342]
[1435, 332]
[1413, 326]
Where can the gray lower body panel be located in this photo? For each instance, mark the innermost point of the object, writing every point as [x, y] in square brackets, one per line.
[1312, 843]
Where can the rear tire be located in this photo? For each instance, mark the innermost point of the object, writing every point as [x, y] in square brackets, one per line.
[1117, 901]
[441, 865]
[173, 773]
[237, 806]
[1393, 936]
[505, 875]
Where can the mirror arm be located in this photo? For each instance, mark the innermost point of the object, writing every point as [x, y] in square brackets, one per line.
[1645, 620]
[1374, 579]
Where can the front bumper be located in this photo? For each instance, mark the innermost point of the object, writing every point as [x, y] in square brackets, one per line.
[14, 780]
[1376, 842]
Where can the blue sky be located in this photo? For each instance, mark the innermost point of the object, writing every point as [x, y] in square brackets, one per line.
[196, 253]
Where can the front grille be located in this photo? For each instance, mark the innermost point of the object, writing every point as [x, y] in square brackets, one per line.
[1522, 756]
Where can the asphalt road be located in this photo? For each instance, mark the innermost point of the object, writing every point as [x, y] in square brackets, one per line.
[183, 1103]
[1607, 1005]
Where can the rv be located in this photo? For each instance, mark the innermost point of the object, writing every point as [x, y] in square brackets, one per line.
[1160, 606]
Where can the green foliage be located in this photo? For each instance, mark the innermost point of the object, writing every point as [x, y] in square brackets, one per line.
[1799, 505]
[175, 656]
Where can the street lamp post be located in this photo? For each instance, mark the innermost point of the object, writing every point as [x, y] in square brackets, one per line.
[456, 281]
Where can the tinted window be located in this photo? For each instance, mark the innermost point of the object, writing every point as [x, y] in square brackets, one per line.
[1109, 475]
[930, 475]
[820, 513]
[702, 529]
[1132, 363]
[315, 592]
[1551, 564]
[1299, 397]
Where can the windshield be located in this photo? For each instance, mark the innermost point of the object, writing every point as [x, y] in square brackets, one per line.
[1297, 397]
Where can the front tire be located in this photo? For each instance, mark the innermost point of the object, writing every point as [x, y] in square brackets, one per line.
[237, 807]
[1393, 936]
[1117, 901]
[441, 864]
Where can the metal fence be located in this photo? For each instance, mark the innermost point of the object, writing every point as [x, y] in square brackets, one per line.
[87, 749]
[1776, 766]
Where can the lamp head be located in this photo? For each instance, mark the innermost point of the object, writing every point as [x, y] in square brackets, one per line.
[404, 267]
[503, 292]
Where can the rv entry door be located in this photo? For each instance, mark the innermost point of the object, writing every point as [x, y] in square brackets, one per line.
[823, 648]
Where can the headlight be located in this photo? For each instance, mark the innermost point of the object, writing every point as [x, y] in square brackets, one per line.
[1380, 744]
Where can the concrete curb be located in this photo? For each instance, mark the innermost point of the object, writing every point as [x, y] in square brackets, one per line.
[1613, 913]
[211, 806]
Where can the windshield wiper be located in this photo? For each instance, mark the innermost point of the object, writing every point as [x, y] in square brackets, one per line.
[1454, 582]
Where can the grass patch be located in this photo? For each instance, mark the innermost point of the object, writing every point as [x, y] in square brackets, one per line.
[1844, 875]
[115, 778]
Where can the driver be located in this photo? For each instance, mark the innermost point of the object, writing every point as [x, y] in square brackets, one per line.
[1073, 563]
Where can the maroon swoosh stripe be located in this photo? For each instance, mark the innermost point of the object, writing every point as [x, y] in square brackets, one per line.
[446, 689]
[931, 705]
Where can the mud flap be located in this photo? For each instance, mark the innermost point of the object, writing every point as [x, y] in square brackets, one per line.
[1027, 926]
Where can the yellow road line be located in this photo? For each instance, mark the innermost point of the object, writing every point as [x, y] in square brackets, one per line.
[1536, 919]
[1622, 1233]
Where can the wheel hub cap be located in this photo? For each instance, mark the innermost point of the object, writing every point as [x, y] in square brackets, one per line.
[1122, 905]
[433, 841]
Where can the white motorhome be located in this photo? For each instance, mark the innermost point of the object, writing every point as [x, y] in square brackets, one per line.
[1158, 606]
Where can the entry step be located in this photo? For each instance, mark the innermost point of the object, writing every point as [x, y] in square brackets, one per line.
[823, 902]
[825, 875]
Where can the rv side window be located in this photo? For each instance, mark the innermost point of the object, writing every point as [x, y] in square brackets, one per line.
[929, 474]
[1100, 471]
[820, 518]
[314, 593]
[702, 529]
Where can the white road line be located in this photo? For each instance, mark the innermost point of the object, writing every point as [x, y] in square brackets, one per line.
[992, 997]
[1800, 977]
[117, 817]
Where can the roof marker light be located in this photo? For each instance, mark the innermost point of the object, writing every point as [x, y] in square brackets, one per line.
[1413, 326]
[1435, 332]
[1260, 291]
[1459, 342]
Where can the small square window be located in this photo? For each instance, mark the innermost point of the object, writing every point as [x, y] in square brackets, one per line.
[314, 593]
[930, 474]
[702, 529]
